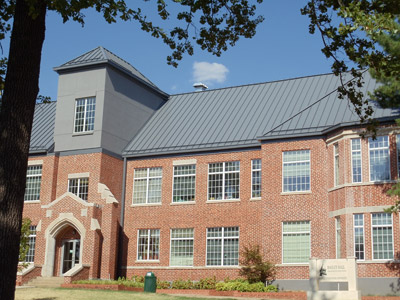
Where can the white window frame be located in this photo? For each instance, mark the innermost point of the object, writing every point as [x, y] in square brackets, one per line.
[180, 239]
[300, 161]
[223, 238]
[338, 231]
[79, 186]
[369, 160]
[148, 244]
[336, 165]
[32, 176]
[31, 240]
[147, 185]
[180, 176]
[294, 232]
[352, 155]
[354, 234]
[84, 114]
[372, 237]
[252, 176]
[224, 172]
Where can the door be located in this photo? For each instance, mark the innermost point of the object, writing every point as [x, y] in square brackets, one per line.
[70, 255]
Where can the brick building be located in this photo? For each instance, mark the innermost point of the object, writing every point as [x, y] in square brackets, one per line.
[124, 178]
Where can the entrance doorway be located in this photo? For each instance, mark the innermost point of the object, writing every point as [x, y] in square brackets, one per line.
[70, 254]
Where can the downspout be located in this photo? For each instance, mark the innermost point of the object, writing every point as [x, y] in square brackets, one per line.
[123, 194]
[122, 219]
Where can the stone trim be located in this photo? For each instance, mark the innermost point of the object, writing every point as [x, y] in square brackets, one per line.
[68, 194]
[357, 210]
[78, 175]
[183, 162]
[35, 162]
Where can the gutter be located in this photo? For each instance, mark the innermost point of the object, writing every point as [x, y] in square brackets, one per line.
[122, 219]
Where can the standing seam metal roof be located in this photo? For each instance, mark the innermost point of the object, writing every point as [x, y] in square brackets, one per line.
[240, 116]
[43, 128]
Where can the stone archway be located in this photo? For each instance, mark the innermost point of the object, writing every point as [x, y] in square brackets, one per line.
[53, 230]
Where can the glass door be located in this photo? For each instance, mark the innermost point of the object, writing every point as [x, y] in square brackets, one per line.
[70, 254]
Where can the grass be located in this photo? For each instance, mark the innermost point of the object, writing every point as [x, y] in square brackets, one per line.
[81, 294]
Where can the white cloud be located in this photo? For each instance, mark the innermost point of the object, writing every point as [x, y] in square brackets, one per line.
[206, 72]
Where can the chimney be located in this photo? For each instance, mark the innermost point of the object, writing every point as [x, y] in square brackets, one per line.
[198, 87]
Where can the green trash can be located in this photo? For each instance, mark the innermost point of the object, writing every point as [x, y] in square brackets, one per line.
[150, 282]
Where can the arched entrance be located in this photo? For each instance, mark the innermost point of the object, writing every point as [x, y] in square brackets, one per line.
[65, 237]
[68, 243]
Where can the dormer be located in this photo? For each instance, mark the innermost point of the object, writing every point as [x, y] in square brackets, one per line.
[102, 102]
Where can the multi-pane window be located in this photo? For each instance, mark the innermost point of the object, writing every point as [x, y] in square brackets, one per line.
[33, 181]
[336, 153]
[30, 256]
[359, 247]
[84, 114]
[296, 242]
[382, 236]
[223, 246]
[79, 187]
[147, 186]
[184, 183]
[148, 244]
[223, 180]
[296, 171]
[379, 163]
[356, 160]
[338, 238]
[256, 178]
[182, 247]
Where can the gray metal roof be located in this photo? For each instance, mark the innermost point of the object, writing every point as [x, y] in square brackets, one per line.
[100, 55]
[43, 128]
[241, 116]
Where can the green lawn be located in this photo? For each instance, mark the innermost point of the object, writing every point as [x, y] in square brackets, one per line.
[81, 294]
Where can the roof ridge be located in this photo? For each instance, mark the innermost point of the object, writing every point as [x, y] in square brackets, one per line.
[309, 106]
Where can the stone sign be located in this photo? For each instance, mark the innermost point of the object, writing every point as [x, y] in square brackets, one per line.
[333, 270]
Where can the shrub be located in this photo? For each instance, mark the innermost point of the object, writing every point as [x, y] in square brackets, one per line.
[271, 288]
[122, 281]
[254, 268]
[180, 284]
[138, 278]
[207, 283]
[161, 284]
[244, 286]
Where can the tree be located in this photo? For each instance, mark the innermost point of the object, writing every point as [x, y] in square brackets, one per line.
[24, 242]
[212, 25]
[358, 35]
[254, 268]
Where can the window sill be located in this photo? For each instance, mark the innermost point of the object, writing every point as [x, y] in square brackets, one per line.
[375, 261]
[296, 193]
[181, 267]
[293, 265]
[223, 201]
[255, 199]
[82, 133]
[183, 203]
[147, 261]
[223, 267]
[146, 204]
[31, 202]
[355, 184]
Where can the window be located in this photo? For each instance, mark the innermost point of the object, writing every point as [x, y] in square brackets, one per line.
[30, 256]
[359, 251]
[256, 178]
[382, 236]
[84, 114]
[33, 181]
[336, 154]
[79, 187]
[223, 246]
[338, 238]
[379, 163]
[148, 244]
[223, 180]
[147, 186]
[296, 242]
[356, 160]
[181, 247]
[184, 183]
[296, 171]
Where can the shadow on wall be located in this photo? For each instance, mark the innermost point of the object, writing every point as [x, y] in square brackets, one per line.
[394, 266]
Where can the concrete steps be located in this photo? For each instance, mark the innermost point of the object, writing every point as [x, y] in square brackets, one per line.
[52, 282]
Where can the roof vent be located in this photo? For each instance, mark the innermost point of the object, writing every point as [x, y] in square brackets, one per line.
[198, 87]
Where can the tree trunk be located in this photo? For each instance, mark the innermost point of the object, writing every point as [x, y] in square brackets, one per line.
[16, 116]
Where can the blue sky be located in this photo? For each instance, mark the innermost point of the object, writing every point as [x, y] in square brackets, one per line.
[281, 49]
